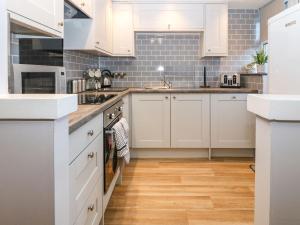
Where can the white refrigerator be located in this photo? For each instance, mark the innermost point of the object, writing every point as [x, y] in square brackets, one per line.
[284, 52]
[277, 178]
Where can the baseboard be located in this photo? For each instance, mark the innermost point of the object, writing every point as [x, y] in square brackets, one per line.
[189, 153]
[236, 152]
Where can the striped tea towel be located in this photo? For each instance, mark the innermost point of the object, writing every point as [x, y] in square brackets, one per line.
[121, 138]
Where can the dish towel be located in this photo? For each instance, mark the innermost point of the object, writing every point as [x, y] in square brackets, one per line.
[121, 130]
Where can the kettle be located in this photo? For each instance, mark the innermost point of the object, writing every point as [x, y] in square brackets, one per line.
[106, 78]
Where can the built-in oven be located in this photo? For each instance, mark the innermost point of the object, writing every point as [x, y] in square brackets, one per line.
[38, 79]
[111, 163]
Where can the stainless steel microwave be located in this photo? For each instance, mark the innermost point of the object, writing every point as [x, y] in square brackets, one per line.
[38, 79]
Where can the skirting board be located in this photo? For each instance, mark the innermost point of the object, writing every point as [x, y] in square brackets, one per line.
[190, 153]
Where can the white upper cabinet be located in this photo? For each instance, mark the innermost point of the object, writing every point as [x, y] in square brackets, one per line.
[232, 126]
[168, 17]
[123, 34]
[215, 41]
[45, 16]
[85, 6]
[151, 120]
[190, 121]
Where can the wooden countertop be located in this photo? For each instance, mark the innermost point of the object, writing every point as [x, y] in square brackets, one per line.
[86, 112]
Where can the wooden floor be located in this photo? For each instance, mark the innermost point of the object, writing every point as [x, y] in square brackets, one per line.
[184, 192]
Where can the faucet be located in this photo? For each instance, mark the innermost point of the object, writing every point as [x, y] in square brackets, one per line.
[166, 83]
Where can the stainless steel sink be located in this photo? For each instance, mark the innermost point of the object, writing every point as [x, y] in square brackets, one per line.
[157, 87]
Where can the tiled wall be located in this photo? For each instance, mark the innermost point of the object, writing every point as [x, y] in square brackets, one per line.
[179, 53]
[77, 62]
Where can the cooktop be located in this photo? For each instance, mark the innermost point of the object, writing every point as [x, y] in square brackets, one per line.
[94, 98]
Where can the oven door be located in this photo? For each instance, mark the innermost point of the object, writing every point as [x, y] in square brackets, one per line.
[110, 158]
[35, 79]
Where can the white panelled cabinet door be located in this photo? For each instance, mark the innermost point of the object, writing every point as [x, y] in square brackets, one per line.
[216, 30]
[43, 15]
[168, 17]
[190, 121]
[151, 120]
[123, 34]
[232, 126]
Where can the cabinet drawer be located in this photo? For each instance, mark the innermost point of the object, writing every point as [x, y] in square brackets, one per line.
[84, 173]
[230, 97]
[91, 213]
[82, 137]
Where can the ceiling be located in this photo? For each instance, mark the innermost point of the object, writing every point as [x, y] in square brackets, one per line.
[256, 4]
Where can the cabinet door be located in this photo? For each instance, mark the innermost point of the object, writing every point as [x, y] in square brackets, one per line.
[216, 30]
[190, 121]
[123, 34]
[232, 126]
[151, 17]
[168, 17]
[100, 22]
[151, 120]
[46, 16]
[186, 17]
[85, 6]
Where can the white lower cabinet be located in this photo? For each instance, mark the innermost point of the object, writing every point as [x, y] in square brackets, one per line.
[86, 175]
[190, 121]
[232, 126]
[151, 120]
[170, 121]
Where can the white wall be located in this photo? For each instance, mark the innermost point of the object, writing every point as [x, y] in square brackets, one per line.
[3, 48]
[266, 12]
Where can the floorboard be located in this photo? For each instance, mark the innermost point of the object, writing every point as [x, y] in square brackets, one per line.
[184, 192]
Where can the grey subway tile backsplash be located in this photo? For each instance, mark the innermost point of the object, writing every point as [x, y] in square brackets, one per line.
[179, 54]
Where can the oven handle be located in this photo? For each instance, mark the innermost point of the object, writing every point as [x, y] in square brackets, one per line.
[110, 131]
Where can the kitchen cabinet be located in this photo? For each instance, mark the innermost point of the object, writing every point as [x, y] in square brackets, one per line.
[168, 17]
[85, 6]
[45, 16]
[215, 40]
[190, 121]
[93, 35]
[86, 173]
[151, 120]
[123, 34]
[232, 126]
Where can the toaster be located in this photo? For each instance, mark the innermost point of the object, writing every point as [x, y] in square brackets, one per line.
[231, 81]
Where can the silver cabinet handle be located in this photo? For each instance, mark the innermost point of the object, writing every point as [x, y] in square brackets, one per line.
[83, 4]
[90, 132]
[61, 24]
[166, 97]
[97, 42]
[91, 208]
[91, 155]
[233, 97]
[174, 97]
[291, 23]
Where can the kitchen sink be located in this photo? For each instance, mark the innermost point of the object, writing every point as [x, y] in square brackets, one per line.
[157, 87]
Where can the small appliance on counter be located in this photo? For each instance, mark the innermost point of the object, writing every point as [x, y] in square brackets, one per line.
[230, 81]
[106, 81]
